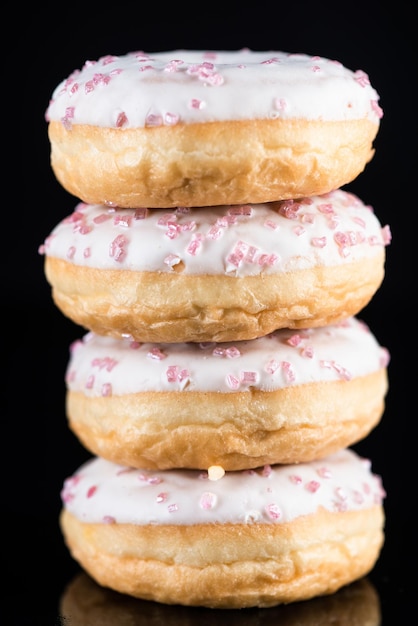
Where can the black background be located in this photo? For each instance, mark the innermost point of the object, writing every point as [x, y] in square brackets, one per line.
[38, 449]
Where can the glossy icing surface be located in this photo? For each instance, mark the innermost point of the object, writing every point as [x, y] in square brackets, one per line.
[193, 86]
[104, 366]
[103, 492]
[244, 240]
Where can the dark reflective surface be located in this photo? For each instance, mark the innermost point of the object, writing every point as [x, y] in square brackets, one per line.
[42, 583]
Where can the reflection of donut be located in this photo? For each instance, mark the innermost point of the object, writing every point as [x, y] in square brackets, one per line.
[251, 538]
[288, 397]
[195, 128]
[86, 603]
[216, 274]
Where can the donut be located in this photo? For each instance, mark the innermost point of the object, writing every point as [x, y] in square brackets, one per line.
[226, 273]
[202, 128]
[287, 397]
[252, 538]
[85, 602]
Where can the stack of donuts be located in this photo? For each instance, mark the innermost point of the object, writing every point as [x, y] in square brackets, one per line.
[218, 267]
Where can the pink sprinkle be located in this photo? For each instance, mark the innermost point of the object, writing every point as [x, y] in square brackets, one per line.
[150, 479]
[251, 254]
[280, 104]
[272, 366]
[117, 248]
[157, 354]
[153, 120]
[214, 232]
[249, 378]
[267, 259]
[196, 104]
[273, 511]
[175, 374]
[232, 352]
[171, 373]
[288, 372]
[121, 120]
[141, 213]
[242, 209]
[384, 357]
[172, 259]
[162, 497]
[358, 497]
[324, 472]
[327, 209]
[340, 505]
[172, 508]
[308, 218]
[154, 480]
[106, 390]
[232, 381]
[91, 491]
[376, 108]
[359, 221]
[173, 230]
[70, 376]
[103, 217]
[308, 352]
[325, 363]
[313, 486]
[173, 66]
[361, 78]
[319, 242]
[296, 480]
[207, 500]
[66, 122]
[109, 519]
[366, 488]
[289, 209]
[266, 471]
[294, 340]
[122, 220]
[87, 253]
[387, 235]
[106, 363]
[340, 493]
[299, 230]
[171, 119]
[82, 228]
[195, 245]
[343, 373]
[90, 382]
[183, 375]
[271, 224]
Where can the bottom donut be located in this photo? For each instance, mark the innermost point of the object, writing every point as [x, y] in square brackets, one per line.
[85, 602]
[250, 538]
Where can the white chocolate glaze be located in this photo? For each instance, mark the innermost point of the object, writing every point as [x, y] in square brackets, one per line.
[103, 366]
[246, 240]
[103, 492]
[185, 86]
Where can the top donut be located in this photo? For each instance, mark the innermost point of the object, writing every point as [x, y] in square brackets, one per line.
[203, 128]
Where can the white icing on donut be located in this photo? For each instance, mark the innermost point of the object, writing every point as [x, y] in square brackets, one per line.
[246, 240]
[103, 366]
[103, 492]
[167, 88]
